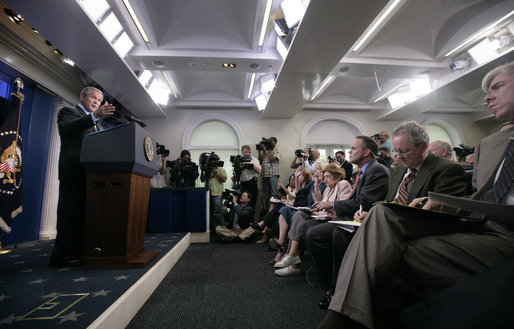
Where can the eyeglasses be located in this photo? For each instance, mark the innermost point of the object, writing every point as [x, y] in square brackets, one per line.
[402, 152]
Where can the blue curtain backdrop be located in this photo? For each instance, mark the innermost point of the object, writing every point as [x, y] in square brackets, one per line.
[36, 122]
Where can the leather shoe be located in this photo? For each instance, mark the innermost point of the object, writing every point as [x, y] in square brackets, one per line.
[325, 301]
[67, 262]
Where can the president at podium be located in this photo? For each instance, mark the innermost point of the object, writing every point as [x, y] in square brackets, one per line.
[73, 124]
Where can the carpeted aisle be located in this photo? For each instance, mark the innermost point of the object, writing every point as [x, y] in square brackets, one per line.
[217, 285]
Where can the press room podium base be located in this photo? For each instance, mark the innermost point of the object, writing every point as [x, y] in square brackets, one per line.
[116, 224]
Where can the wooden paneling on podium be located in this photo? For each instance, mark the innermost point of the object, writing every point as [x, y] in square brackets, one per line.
[119, 163]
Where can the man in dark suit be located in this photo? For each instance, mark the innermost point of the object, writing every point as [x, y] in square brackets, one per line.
[370, 186]
[73, 124]
[401, 255]
[420, 170]
[347, 166]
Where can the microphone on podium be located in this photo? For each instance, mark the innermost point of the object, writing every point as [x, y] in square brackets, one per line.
[131, 118]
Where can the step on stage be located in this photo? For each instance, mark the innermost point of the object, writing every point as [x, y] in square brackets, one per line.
[35, 295]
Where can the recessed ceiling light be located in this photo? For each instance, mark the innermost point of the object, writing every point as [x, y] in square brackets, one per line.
[159, 64]
[344, 69]
[229, 65]
[255, 66]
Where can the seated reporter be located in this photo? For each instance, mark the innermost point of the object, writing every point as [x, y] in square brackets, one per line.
[240, 216]
[406, 255]
[336, 189]
[304, 186]
[265, 225]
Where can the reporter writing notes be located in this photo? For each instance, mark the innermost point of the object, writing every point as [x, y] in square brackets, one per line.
[73, 124]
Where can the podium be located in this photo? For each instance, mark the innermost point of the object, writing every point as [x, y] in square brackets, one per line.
[119, 163]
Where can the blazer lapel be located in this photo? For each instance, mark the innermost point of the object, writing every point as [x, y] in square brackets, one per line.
[395, 180]
[422, 176]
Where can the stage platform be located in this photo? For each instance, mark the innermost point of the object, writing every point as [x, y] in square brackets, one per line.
[35, 295]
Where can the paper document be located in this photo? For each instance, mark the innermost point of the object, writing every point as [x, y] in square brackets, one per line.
[347, 225]
[485, 208]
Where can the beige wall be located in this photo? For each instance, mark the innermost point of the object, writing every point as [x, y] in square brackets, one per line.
[170, 131]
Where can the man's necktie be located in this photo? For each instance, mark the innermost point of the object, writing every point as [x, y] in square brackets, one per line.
[504, 181]
[357, 178]
[403, 193]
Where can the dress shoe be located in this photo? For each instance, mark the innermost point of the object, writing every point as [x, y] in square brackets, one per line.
[274, 244]
[325, 301]
[264, 238]
[67, 262]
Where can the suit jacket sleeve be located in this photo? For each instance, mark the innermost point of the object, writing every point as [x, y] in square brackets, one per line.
[73, 124]
[372, 187]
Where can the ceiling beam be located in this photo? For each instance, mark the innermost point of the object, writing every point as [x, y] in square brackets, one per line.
[327, 32]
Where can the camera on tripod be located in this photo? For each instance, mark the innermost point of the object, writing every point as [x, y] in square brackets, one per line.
[239, 166]
[183, 173]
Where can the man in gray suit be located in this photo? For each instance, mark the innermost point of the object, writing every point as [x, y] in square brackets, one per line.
[73, 124]
[402, 255]
[419, 172]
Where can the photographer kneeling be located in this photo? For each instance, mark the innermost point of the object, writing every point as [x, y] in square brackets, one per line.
[239, 216]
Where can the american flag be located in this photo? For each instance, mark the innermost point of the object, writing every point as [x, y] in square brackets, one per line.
[10, 167]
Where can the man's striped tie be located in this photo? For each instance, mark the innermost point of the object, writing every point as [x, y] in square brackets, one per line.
[403, 193]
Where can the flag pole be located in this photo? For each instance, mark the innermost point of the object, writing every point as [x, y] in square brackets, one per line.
[21, 97]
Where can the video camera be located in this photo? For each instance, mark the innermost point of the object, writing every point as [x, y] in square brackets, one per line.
[161, 150]
[226, 196]
[300, 154]
[266, 142]
[332, 159]
[183, 173]
[208, 161]
[463, 150]
[376, 137]
[239, 166]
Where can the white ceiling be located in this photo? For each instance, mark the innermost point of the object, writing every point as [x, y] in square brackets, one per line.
[189, 41]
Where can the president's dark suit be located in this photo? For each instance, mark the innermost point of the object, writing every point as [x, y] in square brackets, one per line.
[73, 124]
[398, 253]
[371, 187]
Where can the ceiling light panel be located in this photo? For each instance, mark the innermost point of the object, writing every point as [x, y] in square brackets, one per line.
[95, 9]
[136, 21]
[159, 94]
[267, 12]
[110, 27]
[386, 13]
[293, 10]
[123, 45]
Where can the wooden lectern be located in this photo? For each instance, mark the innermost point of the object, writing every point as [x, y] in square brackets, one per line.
[119, 163]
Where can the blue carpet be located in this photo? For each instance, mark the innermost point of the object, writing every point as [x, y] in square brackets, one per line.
[35, 295]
